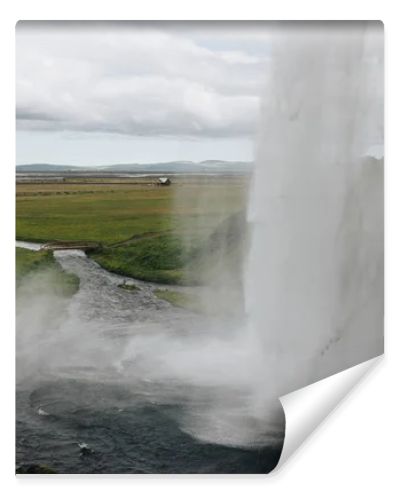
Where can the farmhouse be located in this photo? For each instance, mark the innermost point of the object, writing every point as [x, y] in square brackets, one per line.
[164, 181]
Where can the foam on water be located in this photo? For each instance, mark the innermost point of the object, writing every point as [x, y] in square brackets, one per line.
[28, 245]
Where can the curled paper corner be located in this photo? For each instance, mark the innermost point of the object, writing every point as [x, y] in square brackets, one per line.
[306, 408]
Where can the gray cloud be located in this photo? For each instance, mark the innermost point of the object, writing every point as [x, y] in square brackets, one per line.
[142, 81]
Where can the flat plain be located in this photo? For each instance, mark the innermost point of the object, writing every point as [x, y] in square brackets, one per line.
[144, 230]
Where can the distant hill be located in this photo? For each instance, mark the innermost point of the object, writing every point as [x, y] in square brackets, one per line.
[46, 167]
[208, 166]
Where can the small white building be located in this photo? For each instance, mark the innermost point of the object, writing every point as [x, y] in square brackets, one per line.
[164, 181]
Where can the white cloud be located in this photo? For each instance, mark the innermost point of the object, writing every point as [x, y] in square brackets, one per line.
[135, 80]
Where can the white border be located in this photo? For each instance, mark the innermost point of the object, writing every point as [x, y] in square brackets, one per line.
[354, 453]
[306, 408]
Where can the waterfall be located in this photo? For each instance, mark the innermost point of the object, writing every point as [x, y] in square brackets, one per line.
[314, 278]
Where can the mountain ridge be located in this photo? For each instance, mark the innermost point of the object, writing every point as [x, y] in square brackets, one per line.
[170, 167]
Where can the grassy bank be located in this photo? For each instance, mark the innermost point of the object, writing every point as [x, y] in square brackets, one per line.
[159, 234]
[178, 259]
[28, 263]
[160, 259]
[180, 299]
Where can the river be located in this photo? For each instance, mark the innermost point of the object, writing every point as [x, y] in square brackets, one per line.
[118, 381]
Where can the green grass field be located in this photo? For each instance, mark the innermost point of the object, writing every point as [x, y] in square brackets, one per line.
[28, 262]
[148, 232]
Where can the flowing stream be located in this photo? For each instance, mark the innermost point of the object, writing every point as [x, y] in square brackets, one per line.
[137, 384]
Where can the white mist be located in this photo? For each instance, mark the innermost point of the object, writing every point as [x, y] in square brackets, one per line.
[314, 283]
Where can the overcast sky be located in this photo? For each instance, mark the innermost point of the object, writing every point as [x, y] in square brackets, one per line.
[92, 94]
